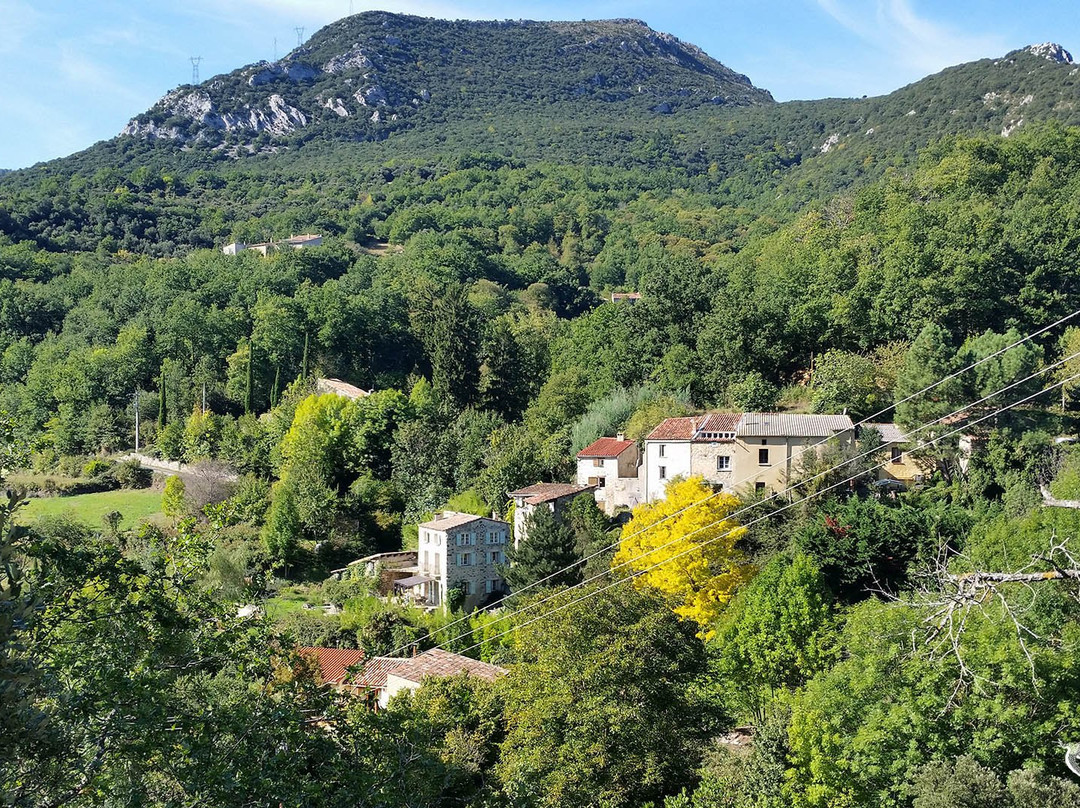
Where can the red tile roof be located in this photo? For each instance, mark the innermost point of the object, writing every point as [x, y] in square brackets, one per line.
[606, 447]
[334, 662]
[437, 662]
[546, 492]
[376, 670]
[674, 429]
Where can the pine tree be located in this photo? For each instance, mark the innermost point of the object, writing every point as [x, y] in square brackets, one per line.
[548, 548]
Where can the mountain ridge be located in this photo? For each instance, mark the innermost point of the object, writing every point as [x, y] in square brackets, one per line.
[373, 73]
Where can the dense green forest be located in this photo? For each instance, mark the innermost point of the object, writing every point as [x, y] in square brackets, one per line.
[859, 652]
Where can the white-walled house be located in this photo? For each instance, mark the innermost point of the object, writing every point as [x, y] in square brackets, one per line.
[736, 451]
[553, 496]
[611, 466]
[461, 548]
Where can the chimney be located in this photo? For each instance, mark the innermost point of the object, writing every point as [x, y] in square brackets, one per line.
[620, 436]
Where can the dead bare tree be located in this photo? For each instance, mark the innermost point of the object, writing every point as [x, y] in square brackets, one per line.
[950, 600]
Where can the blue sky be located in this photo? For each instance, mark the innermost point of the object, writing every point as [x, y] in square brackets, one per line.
[75, 71]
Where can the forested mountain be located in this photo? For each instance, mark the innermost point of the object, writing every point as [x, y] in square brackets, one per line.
[369, 75]
[482, 189]
[379, 95]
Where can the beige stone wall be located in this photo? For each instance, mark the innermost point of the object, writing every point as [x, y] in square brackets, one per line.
[441, 560]
[906, 471]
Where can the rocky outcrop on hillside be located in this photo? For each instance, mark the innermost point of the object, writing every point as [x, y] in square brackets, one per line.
[376, 71]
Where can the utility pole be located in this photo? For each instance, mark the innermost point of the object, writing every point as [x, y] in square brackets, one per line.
[204, 398]
[195, 61]
[299, 36]
[136, 420]
[275, 49]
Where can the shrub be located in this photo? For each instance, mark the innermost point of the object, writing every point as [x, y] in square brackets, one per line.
[130, 474]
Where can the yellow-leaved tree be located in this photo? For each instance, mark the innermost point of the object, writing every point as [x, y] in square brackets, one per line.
[691, 557]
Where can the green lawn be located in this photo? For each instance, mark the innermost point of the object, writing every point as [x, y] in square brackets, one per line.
[290, 599]
[89, 509]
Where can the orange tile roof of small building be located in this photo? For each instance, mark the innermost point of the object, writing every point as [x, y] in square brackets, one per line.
[437, 662]
[376, 671]
[334, 662]
[606, 447]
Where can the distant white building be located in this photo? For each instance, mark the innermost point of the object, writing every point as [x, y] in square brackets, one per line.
[610, 466]
[340, 388]
[295, 242]
[460, 549]
[556, 497]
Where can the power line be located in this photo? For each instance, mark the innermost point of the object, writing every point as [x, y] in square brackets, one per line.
[195, 61]
[736, 513]
[737, 483]
[596, 592]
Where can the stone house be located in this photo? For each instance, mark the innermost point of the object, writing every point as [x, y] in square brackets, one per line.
[460, 549]
[611, 466]
[556, 497]
[902, 466]
[736, 451]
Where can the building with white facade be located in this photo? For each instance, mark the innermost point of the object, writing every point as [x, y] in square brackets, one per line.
[293, 242]
[736, 451]
[460, 549]
[610, 466]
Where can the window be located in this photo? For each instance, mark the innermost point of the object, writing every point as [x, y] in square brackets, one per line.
[759, 487]
[897, 454]
[723, 462]
[496, 557]
[464, 559]
[426, 564]
[469, 588]
[660, 450]
[494, 585]
[427, 537]
[598, 462]
[763, 457]
[663, 472]
[764, 442]
[600, 482]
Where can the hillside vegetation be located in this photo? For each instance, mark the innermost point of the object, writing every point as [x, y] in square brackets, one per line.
[843, 646]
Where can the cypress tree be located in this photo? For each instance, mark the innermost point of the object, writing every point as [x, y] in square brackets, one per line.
[304, 363]
[162, 415]
[276, 388]
[249, 392]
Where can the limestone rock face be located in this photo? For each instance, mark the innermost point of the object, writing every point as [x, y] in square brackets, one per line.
[370, 73]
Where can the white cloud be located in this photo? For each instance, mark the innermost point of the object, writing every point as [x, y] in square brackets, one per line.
[914, 41]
